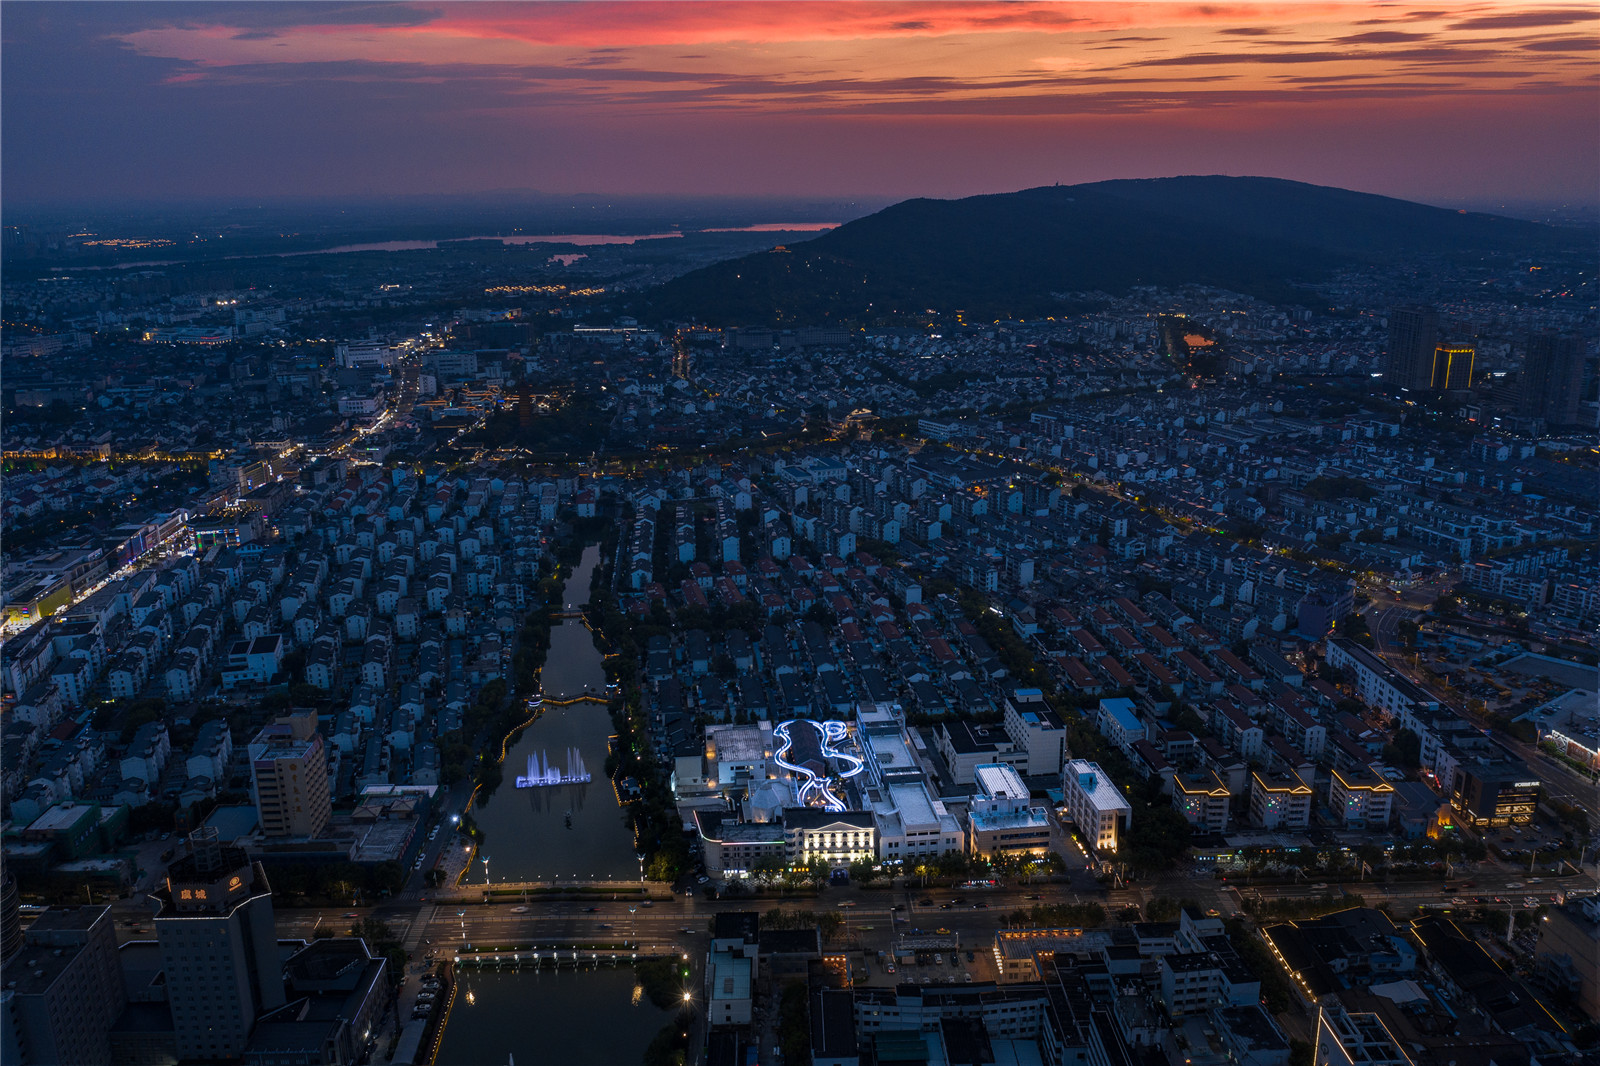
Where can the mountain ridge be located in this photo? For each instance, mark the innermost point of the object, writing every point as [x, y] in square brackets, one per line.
[1013, 254]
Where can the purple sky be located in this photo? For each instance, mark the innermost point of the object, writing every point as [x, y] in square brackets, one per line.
[1438, 103]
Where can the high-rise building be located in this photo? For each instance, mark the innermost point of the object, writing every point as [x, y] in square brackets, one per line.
[525, 408]
[219, 948]
[1552, 377]
[10, 917]
[289, 777]
[1452, 367]
[63, 990]
[1413, 336]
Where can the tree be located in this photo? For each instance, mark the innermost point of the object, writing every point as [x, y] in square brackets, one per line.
[1406, 751]
[794, 1024]
[863, 872]
[1354, 627]
[1159, 839]
[1185, 718]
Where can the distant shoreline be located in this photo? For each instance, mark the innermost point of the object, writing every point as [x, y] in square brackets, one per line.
[581, 240]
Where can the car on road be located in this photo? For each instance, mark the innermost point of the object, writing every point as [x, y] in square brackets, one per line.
[846, 903]
[969, 956]
[702, 880]
[648, 903]
[968, 977]
[352, 914]
[519, 910]
[605, 925]
[1034, 895]
[889, 968]
[898, 907]
[591, 910]
[1320, 885]
[686, 930]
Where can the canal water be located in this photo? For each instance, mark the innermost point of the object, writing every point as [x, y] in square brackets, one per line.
[575, 1018]
[561, 832]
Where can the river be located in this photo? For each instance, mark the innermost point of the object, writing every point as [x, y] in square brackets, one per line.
[526, 830]
[575, 1018]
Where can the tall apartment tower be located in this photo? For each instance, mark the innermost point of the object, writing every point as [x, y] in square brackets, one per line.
[289, 777]
[219, 948]
[10, 917]
[63, 990]
[1552, 377]
[1452, 367]
[1413, 337]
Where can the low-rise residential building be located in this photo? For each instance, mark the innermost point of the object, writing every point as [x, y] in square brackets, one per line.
[1360, 798]
[1279, 800]
[1203, 800]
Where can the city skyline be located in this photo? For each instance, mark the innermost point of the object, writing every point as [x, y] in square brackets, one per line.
[871, 100]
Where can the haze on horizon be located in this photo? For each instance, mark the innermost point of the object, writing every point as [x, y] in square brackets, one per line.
[156, 102]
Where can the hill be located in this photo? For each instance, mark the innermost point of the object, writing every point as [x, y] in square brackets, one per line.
[1005, 255]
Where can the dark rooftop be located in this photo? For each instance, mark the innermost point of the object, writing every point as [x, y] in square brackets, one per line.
[745, 925]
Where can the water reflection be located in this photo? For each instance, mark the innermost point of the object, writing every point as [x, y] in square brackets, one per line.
[572, 1017]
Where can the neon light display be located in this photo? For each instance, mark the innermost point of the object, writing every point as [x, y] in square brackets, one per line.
[812, 785]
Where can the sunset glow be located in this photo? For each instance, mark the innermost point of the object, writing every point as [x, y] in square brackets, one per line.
[835, 98]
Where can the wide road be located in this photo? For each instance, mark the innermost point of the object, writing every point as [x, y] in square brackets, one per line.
[682, 924]
[685, 922]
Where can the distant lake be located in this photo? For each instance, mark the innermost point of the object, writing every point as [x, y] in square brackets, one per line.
[583, 240]
[580, 239]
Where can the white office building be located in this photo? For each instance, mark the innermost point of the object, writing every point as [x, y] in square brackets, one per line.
[1101, 812]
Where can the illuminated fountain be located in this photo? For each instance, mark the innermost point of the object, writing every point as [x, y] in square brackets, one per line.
[543, 772]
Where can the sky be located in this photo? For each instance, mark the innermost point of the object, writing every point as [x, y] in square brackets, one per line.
[1443, 103]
